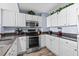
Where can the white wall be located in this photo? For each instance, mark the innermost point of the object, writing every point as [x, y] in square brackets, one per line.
[10, 6]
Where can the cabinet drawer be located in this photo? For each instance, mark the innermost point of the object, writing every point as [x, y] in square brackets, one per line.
[68, 43]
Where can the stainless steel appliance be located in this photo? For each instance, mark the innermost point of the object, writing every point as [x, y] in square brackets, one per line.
[33, 36]
[32, 24]
[33, 40]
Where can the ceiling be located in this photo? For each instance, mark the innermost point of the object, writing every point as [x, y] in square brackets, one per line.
[40, 7]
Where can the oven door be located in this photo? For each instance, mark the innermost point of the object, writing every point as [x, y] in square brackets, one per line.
[33, 41]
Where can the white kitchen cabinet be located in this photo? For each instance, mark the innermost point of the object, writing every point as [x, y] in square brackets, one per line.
[42, 40]
[55, 45]
[28, 17]
[20, 20]
[13, 50]
[31, 17]
[38, 19]
[69, 51]
[49, 21]
[0, 19]
[78, 43]
[72, 15]
[22, 41]
[8, 18]
[54, 19]
[52, 43]
[48, 42]
[35, 18]
[22, 44]
[62, 17]
[68, 16]
[0, 16]
[68, 48]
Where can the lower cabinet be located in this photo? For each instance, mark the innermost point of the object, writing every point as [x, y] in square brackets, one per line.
[13, 49]
[61, 47]
[55, 45]
[22, 44]
[42, 39]
[68, 48]
[48, 42]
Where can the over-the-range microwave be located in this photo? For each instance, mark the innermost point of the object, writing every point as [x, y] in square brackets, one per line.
[32, 24]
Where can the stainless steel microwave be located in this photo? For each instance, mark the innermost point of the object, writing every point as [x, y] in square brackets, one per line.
[32, 24]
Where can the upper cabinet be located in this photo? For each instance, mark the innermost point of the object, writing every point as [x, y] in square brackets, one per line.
[20, 20]
[31, 17]
[35, 18]
[72, 15]
[0, 17]
[8, 18]
[68, 16]
[49, 22]
[28, 17]
[62, 17]
[54, 21]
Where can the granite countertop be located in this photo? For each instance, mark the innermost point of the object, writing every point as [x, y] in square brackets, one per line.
[5, 45]
[68, 36]
[4, 49]
[65, 37]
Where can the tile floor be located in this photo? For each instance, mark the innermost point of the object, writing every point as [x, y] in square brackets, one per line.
[42, 52]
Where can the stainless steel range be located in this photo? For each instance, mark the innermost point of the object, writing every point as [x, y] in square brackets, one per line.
[33, 38]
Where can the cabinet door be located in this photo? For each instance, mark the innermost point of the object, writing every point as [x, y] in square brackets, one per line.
[19, 48]
[43, 40]
[28, 17]
[15, 48]
[49, 21]
[55, 45]
[62, 17]
[54, 19]
[0, 17]
[20, 20]
[67, 49]
[8, 18]
[48, 40]
[72, 15]
[35, 18]
[23, 43]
